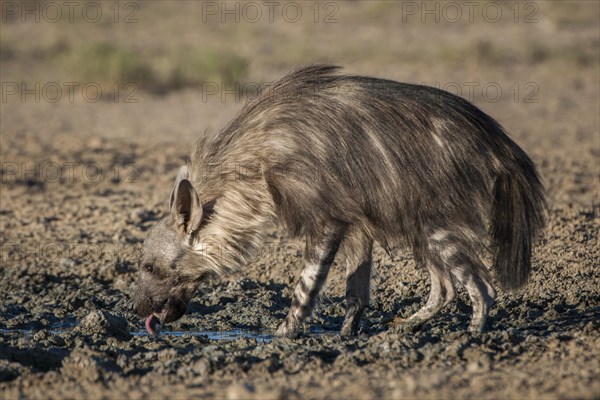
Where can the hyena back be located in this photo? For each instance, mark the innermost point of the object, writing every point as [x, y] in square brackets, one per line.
[344, 161]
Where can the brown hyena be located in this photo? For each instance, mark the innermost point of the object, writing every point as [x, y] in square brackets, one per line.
[343, 161]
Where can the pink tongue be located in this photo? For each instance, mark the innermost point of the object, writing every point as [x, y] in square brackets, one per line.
[151, 324]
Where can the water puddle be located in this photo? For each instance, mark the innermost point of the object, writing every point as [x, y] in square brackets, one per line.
[31, 332]
[232, 335]
[225, 336]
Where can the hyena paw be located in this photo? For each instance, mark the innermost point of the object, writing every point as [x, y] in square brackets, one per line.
[407, 325]
[351, 324]
[288, 329]
[348, 330]
[476, 327]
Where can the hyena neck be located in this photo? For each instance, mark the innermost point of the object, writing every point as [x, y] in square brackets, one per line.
[242, 214]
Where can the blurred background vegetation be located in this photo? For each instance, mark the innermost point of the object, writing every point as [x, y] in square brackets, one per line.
[165, 46]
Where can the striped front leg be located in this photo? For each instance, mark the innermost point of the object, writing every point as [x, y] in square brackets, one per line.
[318, 259]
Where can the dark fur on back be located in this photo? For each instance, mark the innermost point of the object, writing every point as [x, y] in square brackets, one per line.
[397, 161]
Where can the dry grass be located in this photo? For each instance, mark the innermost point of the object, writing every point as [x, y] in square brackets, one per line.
[107, 64]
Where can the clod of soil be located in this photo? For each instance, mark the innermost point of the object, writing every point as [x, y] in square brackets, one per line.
[102, 323]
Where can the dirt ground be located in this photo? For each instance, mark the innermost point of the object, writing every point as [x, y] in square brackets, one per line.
[83, 180]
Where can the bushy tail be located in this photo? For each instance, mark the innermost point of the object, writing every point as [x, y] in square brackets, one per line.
[518, 216]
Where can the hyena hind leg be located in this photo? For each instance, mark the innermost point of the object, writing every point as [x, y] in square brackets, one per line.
[319, 256]
[481, 293]
[442, 292]
[357, 248]
[458, 256]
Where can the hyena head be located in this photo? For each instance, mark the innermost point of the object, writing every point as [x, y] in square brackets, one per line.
[169, 269]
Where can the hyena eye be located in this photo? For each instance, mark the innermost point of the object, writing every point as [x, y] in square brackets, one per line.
[148, 268]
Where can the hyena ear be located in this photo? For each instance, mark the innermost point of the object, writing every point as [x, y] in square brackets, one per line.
[182, 174]
[186, 212]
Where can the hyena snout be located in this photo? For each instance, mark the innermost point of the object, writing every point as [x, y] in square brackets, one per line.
[166, 306]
